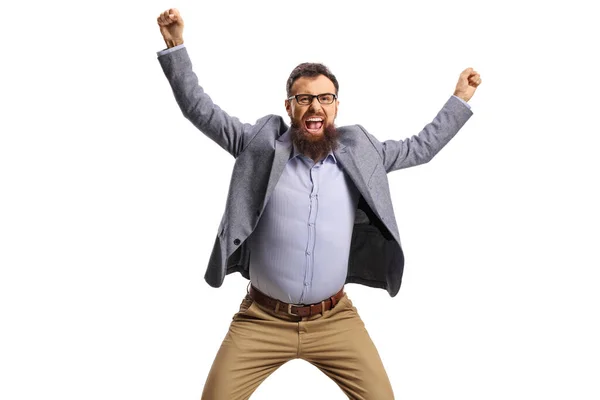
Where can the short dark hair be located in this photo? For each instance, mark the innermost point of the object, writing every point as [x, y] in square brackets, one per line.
[310, 70]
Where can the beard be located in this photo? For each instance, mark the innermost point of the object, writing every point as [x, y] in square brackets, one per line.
[314, 147]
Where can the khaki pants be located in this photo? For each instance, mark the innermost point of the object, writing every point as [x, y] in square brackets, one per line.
[259, 341]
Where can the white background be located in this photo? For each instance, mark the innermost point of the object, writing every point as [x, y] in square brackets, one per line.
[110, 200]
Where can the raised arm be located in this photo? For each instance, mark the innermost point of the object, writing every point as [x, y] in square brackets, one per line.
[421, 148]
[195, 104]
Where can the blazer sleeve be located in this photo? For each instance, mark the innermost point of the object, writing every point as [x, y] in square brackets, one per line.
[228, 132]
[421, 148]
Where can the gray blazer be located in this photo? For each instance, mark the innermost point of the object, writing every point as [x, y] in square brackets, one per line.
[261, 151]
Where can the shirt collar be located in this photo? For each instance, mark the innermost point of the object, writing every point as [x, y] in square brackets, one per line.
[329, 156]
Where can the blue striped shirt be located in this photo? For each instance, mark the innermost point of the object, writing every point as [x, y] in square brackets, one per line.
[299, 250]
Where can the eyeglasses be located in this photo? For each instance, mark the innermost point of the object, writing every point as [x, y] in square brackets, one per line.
[306, 99]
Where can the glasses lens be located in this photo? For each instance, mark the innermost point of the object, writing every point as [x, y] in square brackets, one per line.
[304, 99]
[326, 98]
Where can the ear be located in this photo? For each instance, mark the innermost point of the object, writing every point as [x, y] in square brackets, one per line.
[288, 108]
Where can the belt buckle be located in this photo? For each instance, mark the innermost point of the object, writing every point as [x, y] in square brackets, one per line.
[289, 309]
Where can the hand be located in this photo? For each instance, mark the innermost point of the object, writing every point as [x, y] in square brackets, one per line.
[468, 81]
[171, 27]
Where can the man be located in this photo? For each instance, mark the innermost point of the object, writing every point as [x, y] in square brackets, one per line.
[308, 210]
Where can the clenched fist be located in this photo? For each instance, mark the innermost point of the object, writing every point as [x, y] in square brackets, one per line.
[468, 81]
[171, 27]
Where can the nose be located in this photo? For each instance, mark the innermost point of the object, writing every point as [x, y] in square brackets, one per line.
[315, 105]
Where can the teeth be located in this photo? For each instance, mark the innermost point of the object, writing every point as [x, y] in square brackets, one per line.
[315, 119]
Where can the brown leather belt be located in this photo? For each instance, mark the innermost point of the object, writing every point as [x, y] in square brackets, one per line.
[301, 310]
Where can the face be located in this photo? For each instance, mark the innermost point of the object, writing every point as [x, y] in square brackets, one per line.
[312, 119]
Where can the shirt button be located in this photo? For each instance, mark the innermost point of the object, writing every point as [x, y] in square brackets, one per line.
[310, 224]
[236, 242]
[305, 283]
[308, 253]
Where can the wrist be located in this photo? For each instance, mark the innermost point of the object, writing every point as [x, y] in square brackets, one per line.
[173, 42]
[462, 96]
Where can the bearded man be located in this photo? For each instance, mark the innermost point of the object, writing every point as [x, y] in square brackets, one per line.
[308, 210]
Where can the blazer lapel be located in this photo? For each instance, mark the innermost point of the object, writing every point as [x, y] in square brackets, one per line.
[283, 151]
[345, 156]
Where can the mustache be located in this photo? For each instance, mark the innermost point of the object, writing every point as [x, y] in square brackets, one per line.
[315, 115]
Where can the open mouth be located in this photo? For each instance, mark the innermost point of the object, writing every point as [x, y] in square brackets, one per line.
[314, 124]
